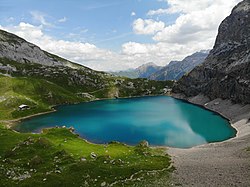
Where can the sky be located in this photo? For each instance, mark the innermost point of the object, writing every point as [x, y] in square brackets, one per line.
[112, 35]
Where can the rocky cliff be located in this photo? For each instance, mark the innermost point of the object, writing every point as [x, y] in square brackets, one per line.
[15, 48]
[226, 71]
[176, 69]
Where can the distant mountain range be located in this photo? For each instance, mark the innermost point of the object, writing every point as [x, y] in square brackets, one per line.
[173, 71]
[176, 69]
[143, 71]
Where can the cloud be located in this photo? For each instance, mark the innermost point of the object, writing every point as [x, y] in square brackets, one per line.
[62, 20]
[132, 54]
[161, 52]
[133, 14]
[198, 21]
[39, 17]
[158, 12]
[147, 27]
[194, 29]
[75, 51]
[10, 19]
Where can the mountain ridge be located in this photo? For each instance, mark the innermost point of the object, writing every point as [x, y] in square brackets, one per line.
[21, 61]
[226, 71]
[18, 49]
[143, 71]
[172, 71]
[176, 69]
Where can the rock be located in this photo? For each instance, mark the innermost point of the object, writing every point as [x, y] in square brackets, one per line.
[103, 184]
[144, 143]
[93, 155]
[58, 171]
[83, 159]
[227, 63]
[17, 49]
[72, 129]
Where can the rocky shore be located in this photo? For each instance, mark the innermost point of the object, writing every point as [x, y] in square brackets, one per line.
[216, 164]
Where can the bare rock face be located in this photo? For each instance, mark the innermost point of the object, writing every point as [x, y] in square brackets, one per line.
[226, 71]
[17, 49]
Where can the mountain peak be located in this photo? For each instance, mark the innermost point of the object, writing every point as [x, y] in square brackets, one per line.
[147, 65]
[17, 49]
[226, 71]
[242, 6]
[176, 69]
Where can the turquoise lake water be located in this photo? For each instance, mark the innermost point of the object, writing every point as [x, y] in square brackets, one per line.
[161, 120]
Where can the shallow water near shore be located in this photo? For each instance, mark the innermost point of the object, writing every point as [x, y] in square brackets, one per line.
[161, 120]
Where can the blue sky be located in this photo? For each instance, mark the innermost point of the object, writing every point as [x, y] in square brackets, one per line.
[105, 23]
[116, 34]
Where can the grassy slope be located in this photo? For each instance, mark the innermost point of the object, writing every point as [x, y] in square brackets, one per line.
[39, 94]
[53, 158]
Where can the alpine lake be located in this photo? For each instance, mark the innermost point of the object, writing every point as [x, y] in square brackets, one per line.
[161, 120]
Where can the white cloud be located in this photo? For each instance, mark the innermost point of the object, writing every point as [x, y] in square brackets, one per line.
[133, 14]
[147, 26]
[10, 19]
[198, 22]
[62, 20]
[195, 29]
[158, 12]
[75, 51]
[187, 6]
[160, 53]
[39, 17]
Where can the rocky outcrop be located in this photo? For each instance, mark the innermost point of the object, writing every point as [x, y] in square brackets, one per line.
[176, 69]
[226, 71]
[19, 50]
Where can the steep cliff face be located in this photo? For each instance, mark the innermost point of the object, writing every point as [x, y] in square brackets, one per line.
[15, 48]
[226, 71]
[176, 69]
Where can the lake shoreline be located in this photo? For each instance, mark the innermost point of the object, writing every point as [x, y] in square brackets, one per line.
[225, 163]
[211, 163]
[11, 123]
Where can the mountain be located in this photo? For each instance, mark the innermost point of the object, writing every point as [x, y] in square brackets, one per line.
[173, 71]
[17, 49]
[226, 71]
[143, 71]
[176, 69]
[29, 75]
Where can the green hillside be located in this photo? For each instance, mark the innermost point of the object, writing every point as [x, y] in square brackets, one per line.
[57, 157]
[42, 87]
[40, 95]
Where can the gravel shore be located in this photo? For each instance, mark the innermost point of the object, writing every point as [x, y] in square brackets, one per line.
[216, 164]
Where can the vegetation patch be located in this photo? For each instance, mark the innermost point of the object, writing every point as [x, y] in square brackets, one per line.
[59, 157]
